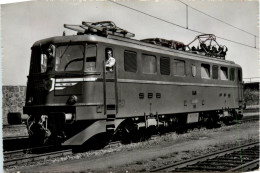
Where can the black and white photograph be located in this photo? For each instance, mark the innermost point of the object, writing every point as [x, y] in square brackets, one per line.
[130, 86]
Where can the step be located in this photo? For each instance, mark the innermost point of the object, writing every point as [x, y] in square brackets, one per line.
[111, 107]
[111, 117]
[110, 127]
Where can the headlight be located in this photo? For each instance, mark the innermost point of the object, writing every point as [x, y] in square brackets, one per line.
[47, 84]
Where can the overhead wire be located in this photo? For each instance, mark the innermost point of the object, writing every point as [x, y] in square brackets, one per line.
[177, 24]
[217, 19]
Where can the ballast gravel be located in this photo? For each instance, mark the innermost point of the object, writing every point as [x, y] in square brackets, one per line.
[144, 156]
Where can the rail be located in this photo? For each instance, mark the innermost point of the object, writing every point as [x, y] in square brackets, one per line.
[232, 159]
[20, 157]
[37, 157]
[14, 137]
[19, 153]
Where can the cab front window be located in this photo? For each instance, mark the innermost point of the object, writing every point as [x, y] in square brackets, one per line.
[69, 58]
[91, 58]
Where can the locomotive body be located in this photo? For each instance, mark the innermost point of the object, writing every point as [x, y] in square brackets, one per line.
[75, 98]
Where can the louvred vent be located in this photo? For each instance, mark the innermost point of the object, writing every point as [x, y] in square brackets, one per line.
[165, 66]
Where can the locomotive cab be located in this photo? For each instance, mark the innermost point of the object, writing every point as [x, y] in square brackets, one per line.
[55, 87]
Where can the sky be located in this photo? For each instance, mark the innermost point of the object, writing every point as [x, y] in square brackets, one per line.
[26, 22]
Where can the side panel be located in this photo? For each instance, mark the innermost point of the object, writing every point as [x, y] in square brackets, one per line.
[168, 99]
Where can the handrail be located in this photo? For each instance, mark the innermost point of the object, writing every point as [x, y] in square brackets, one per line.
[104, 88]
[92, 73]
[116, 88]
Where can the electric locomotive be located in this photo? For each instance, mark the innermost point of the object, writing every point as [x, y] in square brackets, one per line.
[73, 97]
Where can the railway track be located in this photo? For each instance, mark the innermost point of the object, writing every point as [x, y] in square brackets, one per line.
[240, 159]
[21, 156]
[13, 126]
[24, 156]
[19, 153]
[14, 137]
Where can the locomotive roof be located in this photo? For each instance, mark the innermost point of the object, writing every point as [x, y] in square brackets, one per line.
[117, 40]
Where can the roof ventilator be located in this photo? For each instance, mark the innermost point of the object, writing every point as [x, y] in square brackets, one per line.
[207, 44]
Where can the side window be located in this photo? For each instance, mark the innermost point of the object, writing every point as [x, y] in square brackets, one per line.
[223, 73]
[149, 64]
[130, 61]
[215, 72]
[232, 74]
[239, 75]
[165, 67]
[91, 58]
[178, 67]
[110, 61]
[205, 71]
[193, 70]
[106, 53]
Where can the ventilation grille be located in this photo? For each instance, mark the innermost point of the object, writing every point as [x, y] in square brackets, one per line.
[165, 66]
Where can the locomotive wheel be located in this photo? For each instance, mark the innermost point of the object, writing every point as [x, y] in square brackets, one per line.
[132, 136]
[227, 121]
[145, 134]
[237, 115]
[38, 135]
[181, 129]
[240, 116]
[129, 132]
[212, 121]
[140, 135]
[162, 130]
[126, 136]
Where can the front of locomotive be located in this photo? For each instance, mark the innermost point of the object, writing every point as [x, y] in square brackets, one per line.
[59, 68]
